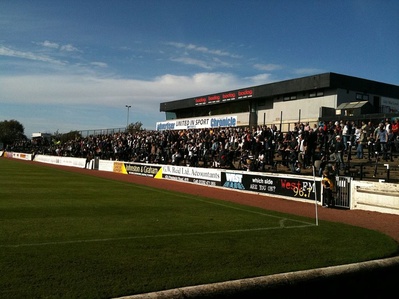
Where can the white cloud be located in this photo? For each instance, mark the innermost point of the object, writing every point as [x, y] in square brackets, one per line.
[57, 46]
[219, 62]
[75, 95]
[191, 47]
[49, 44]
[192, 61]
[84, 90]
[261, 79]
[178, 87]
[4, 51]
[78, 102]
[69, 48]
[267, 67]
[208, 65]
[99, 64]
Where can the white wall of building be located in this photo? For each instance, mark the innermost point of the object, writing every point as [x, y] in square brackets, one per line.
[390, 104]
[295, 110]
[243, 119]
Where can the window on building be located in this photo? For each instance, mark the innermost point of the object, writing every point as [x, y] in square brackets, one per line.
[289, 97]
[362, 97]
[316, 93]
[262, 102]
[170, 115]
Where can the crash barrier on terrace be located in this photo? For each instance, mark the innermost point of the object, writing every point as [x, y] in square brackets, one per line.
[350, 193]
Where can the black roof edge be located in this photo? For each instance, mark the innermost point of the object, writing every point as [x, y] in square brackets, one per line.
[329, 80]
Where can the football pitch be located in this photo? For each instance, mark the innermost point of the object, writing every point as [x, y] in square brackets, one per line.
[68, 235]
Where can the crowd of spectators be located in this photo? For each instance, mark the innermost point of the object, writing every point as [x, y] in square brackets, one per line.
[232, 148]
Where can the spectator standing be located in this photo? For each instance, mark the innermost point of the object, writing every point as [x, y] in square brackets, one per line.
[311, 146]
[362, 141]
[346, 132]
[382, 139]
[89, 157]
[301, 151]
[395, 136]
[328, 186]
[388, 126]
[292, 155]
[338, 152]
[395, 128]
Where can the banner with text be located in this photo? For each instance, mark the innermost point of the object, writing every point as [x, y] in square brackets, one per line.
[300, 188]
[202, 176]
[149, 170]
[21, 156]
[197, 123]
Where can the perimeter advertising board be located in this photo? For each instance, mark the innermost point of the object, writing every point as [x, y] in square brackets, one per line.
[202, 176]
[149, 170]
[61, 160]
[21, 156]
[299, 188]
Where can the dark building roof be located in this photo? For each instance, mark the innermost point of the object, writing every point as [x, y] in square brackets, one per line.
[330, 81]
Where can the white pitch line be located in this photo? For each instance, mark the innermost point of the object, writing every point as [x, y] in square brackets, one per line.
[244, 210]
[281, 226]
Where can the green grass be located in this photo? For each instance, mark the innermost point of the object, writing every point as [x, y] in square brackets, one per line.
[66, 235]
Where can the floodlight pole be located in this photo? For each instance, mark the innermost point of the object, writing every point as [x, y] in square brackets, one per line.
[127, 121]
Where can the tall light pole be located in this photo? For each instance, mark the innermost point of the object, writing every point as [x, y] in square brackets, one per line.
[127, 121]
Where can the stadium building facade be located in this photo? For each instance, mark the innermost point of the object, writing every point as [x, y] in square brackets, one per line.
[327, 96]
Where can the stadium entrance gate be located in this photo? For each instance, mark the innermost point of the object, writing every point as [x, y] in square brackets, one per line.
[342, 192]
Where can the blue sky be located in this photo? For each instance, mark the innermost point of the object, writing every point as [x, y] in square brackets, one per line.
[75, 65]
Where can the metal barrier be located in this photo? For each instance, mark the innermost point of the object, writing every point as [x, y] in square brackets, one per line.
[86, 133]
[342, 192]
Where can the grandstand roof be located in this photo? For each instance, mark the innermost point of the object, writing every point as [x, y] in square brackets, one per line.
[330, 81]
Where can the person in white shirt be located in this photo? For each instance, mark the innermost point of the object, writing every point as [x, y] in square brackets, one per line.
[382, 139]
